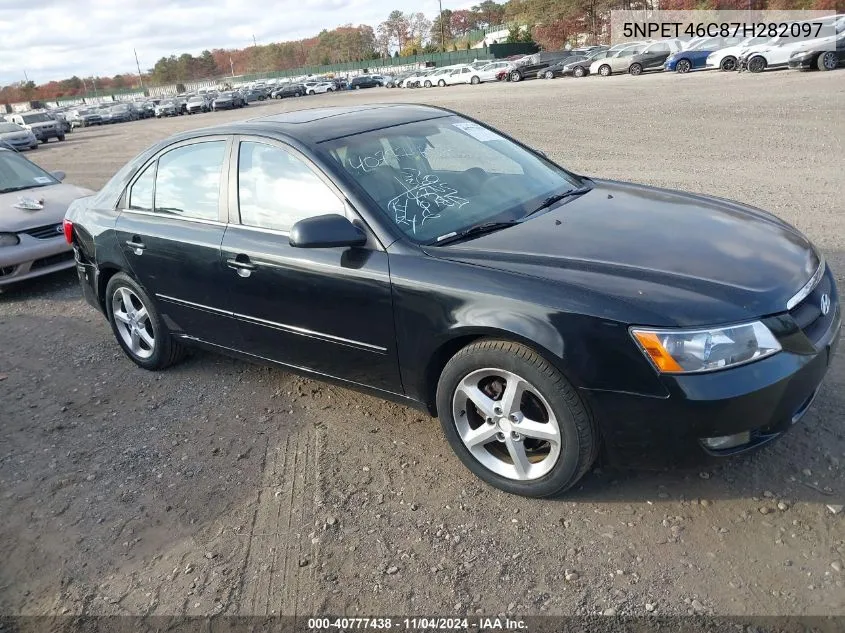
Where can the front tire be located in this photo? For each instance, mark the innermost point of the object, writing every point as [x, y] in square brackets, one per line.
[579, 71]
[605, 71]
[728, 64]
[635, 69]
[683, 66]
[138, 327]
[441, 83]
[475, 80]
[827, 61]
[514, 420]
[757, 64]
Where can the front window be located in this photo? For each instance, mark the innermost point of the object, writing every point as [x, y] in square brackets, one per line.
[188, 180]
[435, 178]
[276, 189]
[17, 173]
[38, 117]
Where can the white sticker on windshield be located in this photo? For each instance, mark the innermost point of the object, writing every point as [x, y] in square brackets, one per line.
[42, 180]
[478, 131]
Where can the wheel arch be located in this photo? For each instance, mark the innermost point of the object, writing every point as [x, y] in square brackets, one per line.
[541, 338]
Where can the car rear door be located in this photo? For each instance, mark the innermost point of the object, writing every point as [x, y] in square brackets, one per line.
[170, 230]
[328, 310]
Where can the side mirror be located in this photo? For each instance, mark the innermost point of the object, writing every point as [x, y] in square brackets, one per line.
[58, 175]
[326, 231]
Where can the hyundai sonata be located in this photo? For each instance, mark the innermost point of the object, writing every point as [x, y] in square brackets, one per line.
[429, 259]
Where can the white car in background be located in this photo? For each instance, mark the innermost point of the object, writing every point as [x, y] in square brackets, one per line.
[320, 87]
[415, 80]
[488, 72]
[726, 58]
[617, 62]
[461, 75]
[777, 51]
[438, 77]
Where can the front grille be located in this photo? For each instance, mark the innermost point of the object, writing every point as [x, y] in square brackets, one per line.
[808, 314]
[53, 260]
[45, 232]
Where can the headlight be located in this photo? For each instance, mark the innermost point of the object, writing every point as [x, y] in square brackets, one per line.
[9, 239]
[686, 351]
[797, 54]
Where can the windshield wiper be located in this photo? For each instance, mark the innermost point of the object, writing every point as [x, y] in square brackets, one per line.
[473, 231]
[21, 188]
[557, 198]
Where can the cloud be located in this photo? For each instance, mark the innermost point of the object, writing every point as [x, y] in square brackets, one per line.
[56, 40]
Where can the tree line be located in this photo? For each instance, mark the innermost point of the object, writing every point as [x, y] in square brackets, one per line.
[551, 23]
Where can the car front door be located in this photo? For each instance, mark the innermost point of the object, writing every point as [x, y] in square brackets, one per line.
[655, 55]
[170, 229]
[327, 310]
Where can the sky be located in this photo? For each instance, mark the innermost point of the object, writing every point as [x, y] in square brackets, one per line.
[56, 39]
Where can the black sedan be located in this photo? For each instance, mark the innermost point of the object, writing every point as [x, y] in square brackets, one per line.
[540, 314]
[826, 56]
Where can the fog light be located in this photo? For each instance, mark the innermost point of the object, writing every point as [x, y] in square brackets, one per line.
[726, 441]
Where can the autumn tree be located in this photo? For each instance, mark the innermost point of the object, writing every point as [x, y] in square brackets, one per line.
[394, 31]
[441, 36]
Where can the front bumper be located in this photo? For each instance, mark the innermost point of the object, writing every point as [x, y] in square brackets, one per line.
[32, 258]
[764, 398]
[23, 143]
[802, 63]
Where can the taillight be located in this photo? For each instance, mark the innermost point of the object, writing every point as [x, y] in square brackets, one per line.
[67, 225]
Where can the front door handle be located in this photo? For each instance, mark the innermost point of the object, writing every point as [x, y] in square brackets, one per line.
[241, 265]
[136, 245]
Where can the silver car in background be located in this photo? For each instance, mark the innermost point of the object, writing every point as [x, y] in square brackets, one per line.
[17, 137]
[33, 203]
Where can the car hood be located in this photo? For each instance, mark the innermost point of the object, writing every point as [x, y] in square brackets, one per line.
[666, 257]
[56, 199]
[16, 135]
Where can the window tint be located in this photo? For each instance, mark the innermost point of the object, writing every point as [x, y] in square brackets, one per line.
[276, 189]
[188, 180]
[141, 192]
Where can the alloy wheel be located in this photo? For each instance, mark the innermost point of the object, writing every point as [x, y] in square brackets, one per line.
[133, 322]
[550, 75]
[728, 64]
[829, 61]
[579, 71]
[604, 71]
[757, 64]
[683, 66]
[506, 424]
[635, 69]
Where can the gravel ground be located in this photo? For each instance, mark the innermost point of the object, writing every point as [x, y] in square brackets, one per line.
[223, 487]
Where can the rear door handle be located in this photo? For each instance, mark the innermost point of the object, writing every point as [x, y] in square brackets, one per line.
[136, 245]
[241, 265]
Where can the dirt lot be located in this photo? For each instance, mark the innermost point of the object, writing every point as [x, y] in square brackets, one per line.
[222, 487]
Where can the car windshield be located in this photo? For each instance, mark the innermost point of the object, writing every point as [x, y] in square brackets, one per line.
[440, 177]
[225, 95]
[196, 99]
[17, 173]
[38, 117]
[5, 128]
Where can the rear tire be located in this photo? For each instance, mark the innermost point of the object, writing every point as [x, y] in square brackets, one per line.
[515, 76]
[549, 74]
[427, 84]
[441, 83]
[129, 308]
[540, 444]
[62, 137]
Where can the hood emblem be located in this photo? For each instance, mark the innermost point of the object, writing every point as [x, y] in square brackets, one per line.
[825, 304]
[29, 204]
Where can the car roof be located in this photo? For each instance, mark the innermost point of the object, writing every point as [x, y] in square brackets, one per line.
[317, 125]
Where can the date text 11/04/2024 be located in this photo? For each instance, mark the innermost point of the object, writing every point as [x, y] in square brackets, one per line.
[648, 30]
[417, 624]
